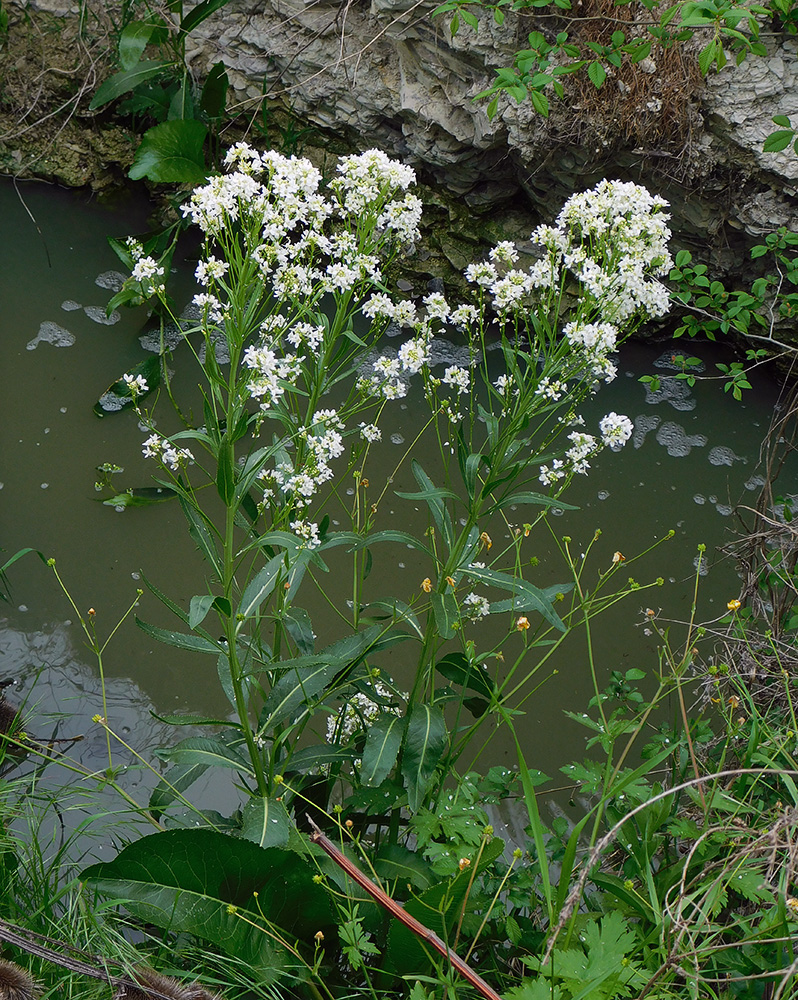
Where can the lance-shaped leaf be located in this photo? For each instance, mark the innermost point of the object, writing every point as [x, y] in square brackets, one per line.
[457, 668]
[383, 741]
[304, 678]
[127, 80]
[176, 780]
[194, 881]
[266, 822]
[425, 743]
[526, 597]
[261, 586]
[179, 639]
[209, 751]
[444, 607]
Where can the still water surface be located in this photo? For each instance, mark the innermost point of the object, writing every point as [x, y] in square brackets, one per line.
[693, 457]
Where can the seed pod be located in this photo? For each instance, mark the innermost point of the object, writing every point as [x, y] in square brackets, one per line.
[154, 986]
[16, 983]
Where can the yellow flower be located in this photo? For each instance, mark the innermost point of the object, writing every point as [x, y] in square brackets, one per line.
[792, 904]
[734, 605]
[450, 581]
[426, 585]
[486, 540]
[522, 624]
[734, 702]
[319, 937]
[618, 557]
[463, 864]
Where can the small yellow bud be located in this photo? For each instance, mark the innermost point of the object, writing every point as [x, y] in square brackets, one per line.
[349, 824]
[463, 863]
[486, 540]
[92, 612]
[734, 605]
[522, 623]
[232, 909]
[426, 585]
[318, 937]
[278, 779]
[450, 581]
[618, 557]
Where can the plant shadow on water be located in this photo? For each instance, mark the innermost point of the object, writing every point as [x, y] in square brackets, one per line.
[691, 457]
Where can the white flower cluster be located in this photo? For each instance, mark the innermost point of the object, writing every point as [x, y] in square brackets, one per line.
[616, 430]
[270, 373]
[322, 444]
[158, 447]
[614, 238]
[308, 531]
[475, 606]
[358, 714]
[137, 384]
[149, 271]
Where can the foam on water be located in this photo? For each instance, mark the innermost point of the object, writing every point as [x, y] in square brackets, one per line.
[97, 315]
[721, 455]
[644, 423]
[677, 441]
[52, 333]
[112, 280]
[673, 391]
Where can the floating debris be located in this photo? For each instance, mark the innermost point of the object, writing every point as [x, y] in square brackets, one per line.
[677, 441]
[112, 280]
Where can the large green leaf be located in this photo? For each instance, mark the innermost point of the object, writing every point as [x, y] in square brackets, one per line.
[200, 532]
[171, 153]
[425, 743]
[214, 91]
[195, 881]
[176, 780]
[266, 822]
[383, 741]
[127, 80]
[456, 667]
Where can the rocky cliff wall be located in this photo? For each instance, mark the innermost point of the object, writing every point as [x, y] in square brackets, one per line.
[387, 73]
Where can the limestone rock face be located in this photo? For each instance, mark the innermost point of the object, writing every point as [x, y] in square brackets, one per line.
[388, 73]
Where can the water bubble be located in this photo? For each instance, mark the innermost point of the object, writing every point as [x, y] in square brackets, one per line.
[724, 508]
[112, 280]
[98, 315]
[135, 576]
[350, 492]
[754, 483]
[603, 494]
[397, 439]
[22, 607]
[672, 391]
[643, 424]
[700, 563]
[69, 305]
[556, 511]
[700, 499]
[63, 409]
[712, 499]
[401, 565]
[678, 443]
[45, 486]
[46, 430]
[721, 455]
[52, 333]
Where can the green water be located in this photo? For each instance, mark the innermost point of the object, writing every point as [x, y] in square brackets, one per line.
[686, 473]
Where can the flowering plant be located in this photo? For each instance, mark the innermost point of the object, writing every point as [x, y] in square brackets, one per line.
[292, 305]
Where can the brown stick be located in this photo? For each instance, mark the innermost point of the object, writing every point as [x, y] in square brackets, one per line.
[399, 913]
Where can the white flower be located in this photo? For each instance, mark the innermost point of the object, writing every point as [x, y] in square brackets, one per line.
[370, 432]
[146, 269]
[458, 377]
[136, 384]
[437, 307]
[211, 270]
[308, 531]
[169, 454]
[413, 355]
[463, 315]
[505, 252]
[615, 430]
[359, 713]
[481, 274]
[476, 606]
